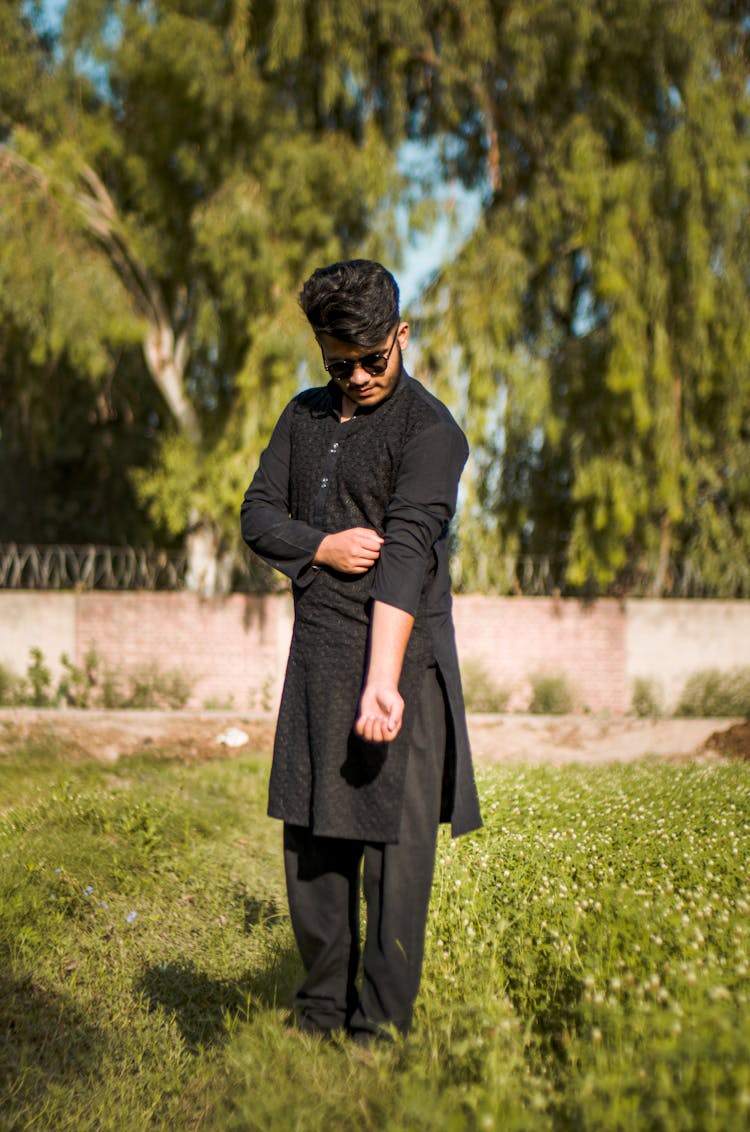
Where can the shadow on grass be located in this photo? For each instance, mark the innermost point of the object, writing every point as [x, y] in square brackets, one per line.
[552, 1016]
[45, 1043]
[204, 1007]
[256, 912]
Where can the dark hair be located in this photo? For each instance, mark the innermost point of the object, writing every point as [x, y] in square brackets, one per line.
[356, 301]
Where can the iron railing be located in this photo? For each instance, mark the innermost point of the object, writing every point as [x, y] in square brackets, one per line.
[61, 567]
[33, 567]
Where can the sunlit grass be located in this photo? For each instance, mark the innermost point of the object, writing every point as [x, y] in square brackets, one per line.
[587, 956]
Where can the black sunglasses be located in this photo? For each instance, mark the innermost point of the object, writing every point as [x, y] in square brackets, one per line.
[341, 369]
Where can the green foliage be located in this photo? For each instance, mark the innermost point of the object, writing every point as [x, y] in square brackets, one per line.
[11, 686]
[76, 684]
[149, 964]
[602, 306]
[145, 686]
[151, 687]
[217, 703]
[96, 684]
[716, 692]
[551, 694]
[39, 680]
[481, 692]
[648, 698]
[267, 693]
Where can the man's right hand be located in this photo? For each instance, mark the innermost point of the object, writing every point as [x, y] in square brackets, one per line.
[351, 552]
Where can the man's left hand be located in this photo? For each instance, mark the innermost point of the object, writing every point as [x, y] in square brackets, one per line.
[380, 715]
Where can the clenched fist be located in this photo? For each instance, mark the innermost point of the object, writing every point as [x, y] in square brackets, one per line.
[351, 552]
[380, 714]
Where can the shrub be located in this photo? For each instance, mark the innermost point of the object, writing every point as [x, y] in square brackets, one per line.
[11, 687]
[481, 692]
[95, 685]
[76, 685]
[112, 693]
[39, 680]
[648, 698]
[216, 703]
[551, 694]
[152, 687]
[713, 692]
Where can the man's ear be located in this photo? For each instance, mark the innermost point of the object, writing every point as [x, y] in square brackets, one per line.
[403, 335]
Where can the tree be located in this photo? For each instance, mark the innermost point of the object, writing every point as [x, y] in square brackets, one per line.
[602, 305]
[181, 169]
[69, 432]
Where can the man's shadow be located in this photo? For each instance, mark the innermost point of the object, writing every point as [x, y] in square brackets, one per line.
[204, 1006]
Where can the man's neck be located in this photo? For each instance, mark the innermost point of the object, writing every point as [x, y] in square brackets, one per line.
[348, 409]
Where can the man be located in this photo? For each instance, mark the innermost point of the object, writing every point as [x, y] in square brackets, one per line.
[352, 501]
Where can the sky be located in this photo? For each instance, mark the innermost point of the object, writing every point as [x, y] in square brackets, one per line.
[425, 252]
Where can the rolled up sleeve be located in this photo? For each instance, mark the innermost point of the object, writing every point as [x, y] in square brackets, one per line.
[286, 544]
[422, 505]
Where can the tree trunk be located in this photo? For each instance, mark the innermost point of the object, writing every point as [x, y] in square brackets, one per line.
[166, 358]
[209, 563]
[662, 580]
[662, 566]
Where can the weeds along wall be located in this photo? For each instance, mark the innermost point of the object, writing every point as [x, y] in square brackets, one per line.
[234, 649]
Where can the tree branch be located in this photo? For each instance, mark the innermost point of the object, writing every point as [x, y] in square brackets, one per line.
[165, 353]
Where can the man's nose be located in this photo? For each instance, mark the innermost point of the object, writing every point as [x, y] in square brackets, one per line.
[359, 376]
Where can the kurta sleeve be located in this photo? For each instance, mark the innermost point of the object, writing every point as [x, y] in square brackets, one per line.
[422, 504]
[286, 544]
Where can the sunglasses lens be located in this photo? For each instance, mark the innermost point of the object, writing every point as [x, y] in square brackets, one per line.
[341, 370]
[374, 364]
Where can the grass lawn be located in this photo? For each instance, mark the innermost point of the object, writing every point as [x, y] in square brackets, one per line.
[587, 960]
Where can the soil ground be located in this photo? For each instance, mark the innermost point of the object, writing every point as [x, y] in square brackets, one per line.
[555, 740]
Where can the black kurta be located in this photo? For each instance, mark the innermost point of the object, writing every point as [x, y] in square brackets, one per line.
[393, 468]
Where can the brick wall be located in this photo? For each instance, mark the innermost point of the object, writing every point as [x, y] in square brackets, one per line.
[235, 647]
[515, 638]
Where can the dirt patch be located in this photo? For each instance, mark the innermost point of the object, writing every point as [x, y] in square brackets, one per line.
[110, 735]
[556, 740]
[733, 742]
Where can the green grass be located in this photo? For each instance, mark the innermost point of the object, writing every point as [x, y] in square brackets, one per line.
[587, 956]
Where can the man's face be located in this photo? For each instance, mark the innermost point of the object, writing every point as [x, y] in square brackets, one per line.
[357, 385]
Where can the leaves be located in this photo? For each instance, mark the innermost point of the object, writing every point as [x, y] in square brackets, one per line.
[603, 303]
[189, 164]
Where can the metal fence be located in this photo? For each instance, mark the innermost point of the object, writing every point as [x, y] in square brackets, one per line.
[59, 567]
[32, 567]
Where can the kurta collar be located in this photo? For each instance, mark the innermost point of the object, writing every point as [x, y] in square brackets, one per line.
[335, 398]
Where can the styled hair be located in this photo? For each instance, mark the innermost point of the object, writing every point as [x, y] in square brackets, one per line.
[355, 301]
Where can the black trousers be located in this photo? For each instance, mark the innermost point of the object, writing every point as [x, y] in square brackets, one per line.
[323, 888]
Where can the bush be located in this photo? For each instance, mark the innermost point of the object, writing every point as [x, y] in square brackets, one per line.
[481, 692]
[39, 680]
[76, 685]
[551, 694]
[152, 687]
[11, 687]
[95, 685]
[216, 703]
[648, 698]
[713, 692]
